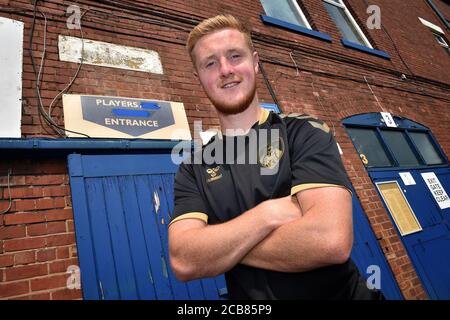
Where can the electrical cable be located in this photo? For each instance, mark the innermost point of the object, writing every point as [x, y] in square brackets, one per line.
[146, 36]
[373, 93]
[341, 77]
[126, 5]
[30, 50]
[10, 199]
[76, 73]
[327, 55]
[323, 107]
[269, 86]
[38, 78]
[136, 15]
[393, 43]
[164, 9]
[276, 43]
[314, 53]
[191, 21]
[58, 129]
[295, 63]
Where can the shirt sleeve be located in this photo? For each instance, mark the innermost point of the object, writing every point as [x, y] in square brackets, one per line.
[315, 158]
[189, 203]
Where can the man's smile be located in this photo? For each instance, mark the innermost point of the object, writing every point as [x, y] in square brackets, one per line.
[230, 84]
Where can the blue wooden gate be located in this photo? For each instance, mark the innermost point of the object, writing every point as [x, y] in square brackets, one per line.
[428, 248]
[366, 253]
[122, 206]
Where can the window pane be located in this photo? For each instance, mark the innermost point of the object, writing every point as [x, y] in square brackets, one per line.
[344, 24]
[403, 153]
[367, 143]
[426, 148]
[284, 10]
[441, 40]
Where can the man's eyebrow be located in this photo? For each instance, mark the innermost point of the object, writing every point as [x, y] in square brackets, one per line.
[235, 49]
[211, 56]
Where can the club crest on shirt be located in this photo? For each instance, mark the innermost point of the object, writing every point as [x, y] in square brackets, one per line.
[271, 154]
[213, 174]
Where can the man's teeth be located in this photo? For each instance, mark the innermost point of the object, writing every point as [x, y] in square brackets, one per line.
[229, 85]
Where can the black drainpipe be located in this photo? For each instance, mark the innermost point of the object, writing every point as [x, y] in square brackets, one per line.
[439, 14]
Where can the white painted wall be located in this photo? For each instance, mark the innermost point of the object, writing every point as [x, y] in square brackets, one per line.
[11, 53]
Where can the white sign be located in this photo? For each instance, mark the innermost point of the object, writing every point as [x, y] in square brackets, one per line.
[109, 55]
[436, 189]
[119, 117]
[388, 119]
[11, 38]
[407, 178]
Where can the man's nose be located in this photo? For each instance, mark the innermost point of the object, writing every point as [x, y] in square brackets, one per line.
[226, 68]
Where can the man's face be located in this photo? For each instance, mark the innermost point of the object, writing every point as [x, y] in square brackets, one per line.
[227, 68]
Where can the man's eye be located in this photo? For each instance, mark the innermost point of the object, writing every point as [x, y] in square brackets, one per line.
[209, 64]
[235, 56]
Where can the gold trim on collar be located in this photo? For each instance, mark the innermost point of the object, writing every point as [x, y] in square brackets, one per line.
[264, 115]
[307, 186]
[191, 215]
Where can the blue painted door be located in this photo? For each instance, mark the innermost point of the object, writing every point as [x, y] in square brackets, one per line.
[122, 206]
[368, 256]
[429, 248]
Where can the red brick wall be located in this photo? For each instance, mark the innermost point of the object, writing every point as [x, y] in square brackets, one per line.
[37, 241]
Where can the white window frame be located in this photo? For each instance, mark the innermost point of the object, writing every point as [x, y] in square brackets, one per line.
[341, 4]
[432, 26]
[441, 40]
[437, 31]
[299, 11]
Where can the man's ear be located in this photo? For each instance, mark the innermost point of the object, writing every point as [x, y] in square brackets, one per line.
[256, 61]
[195, 73]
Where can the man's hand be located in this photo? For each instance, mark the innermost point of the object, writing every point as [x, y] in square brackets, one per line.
[283, 210]
[198, 250]
[322, 236]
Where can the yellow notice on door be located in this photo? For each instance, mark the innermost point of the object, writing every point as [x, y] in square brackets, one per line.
[400, 210]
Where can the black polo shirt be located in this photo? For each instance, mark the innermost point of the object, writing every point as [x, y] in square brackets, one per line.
[281, 155]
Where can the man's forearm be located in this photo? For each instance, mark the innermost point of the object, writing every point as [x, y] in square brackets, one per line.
[200, 251]
[293, 247]
[322, 236]
[214, 249]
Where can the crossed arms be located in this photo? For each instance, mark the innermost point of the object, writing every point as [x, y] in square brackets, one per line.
[278, 234]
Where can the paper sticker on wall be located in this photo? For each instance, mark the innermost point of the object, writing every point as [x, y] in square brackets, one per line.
[407, 178]
[116, 117]
[437, 190]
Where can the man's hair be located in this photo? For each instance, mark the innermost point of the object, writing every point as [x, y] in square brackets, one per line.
[223, 21]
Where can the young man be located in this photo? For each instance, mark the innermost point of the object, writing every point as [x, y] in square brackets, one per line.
[282, 235]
